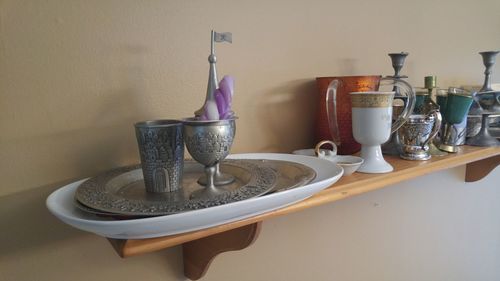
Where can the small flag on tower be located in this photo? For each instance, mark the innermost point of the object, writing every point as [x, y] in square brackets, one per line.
[223, 37]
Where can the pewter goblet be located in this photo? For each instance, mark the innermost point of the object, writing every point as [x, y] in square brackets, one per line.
[209, 142]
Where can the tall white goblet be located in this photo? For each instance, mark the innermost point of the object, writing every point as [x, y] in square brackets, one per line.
[372, 123]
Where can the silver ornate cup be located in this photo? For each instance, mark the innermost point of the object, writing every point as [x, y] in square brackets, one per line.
[416, 134]
[161, 148]
[209, 142]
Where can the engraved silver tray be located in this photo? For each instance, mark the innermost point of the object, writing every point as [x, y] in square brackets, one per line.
[120, 193]
[103, 214]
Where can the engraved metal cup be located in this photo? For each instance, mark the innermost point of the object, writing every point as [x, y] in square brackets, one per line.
[161, 148]
[416, 134]
[209, 142]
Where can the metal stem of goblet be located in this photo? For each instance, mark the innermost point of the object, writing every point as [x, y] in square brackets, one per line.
[210, 189]
[483, 138]
[220, 178]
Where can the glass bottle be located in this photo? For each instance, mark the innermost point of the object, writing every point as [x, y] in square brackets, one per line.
[426, 105]
[426, 97]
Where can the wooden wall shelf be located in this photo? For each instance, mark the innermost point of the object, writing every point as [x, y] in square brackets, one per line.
[200, 247]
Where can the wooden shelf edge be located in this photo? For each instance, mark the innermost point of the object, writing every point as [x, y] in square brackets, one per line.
[346, 187]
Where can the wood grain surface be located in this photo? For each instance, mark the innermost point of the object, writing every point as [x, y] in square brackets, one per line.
[482, 159]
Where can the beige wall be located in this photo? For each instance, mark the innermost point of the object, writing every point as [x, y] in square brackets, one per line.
[75, 76]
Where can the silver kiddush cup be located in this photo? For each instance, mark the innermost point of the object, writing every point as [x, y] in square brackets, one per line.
[161, 146]
[209, 142]
[416, 134]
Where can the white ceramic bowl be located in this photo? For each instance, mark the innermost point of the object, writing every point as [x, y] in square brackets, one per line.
[348, 162]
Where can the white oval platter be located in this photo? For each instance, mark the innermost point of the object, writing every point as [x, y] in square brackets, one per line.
[60, 204]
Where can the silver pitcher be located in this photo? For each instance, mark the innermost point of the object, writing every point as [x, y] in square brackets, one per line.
[416, 134]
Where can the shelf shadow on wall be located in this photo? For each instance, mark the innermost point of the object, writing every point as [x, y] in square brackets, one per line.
[26, 223]
[27, 226]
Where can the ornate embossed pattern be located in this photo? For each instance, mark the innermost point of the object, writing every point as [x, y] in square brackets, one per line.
[372, 100]
[413, 138]
[415, 134]
[97, 194]
[207, 147]
[162, 154]
[209, 144]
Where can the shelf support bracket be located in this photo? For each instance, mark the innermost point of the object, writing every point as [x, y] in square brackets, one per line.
[477, 170]
[199, 254]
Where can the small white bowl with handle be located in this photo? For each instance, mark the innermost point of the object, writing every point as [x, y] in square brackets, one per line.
[348, 162]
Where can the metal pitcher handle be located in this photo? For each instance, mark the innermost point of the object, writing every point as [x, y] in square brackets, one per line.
[331, 110]
[435, 129]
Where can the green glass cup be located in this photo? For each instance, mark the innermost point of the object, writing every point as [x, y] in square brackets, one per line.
[441, 97]
[457, 106]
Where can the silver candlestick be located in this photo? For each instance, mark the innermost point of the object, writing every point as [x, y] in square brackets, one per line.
[392, 147]
[489, 103]
[398, 60]
[483, 138]
[489, 62]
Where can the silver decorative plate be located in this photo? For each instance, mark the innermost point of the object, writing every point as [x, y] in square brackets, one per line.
[103, 214]
[290, 174]
[121, 191]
